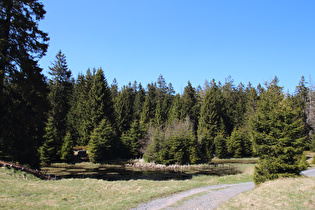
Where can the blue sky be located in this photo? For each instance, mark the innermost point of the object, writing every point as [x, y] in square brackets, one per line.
[184, 40]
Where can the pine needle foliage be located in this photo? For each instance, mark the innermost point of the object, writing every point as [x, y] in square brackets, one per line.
[101, 142]
[49, 151]
[278, 136]
[176, 143]
[67, 148]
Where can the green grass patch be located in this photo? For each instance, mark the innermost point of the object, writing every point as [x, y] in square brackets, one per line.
[290, 193]
[32, 193]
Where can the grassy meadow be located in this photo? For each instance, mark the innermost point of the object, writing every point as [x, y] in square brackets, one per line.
[19, 190]
[23, 191]
[289, 193]
[286, 193]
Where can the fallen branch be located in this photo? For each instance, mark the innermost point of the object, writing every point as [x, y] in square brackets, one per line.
[19, 167]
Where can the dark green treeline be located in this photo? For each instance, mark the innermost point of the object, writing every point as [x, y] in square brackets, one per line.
[155, 123]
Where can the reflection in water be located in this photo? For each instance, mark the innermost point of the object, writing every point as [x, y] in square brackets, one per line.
[120, 172]
[114, 174]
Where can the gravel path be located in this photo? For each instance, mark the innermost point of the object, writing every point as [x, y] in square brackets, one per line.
[209, 197]
[310, 172]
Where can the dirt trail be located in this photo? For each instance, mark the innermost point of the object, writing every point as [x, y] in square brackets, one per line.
[209, 197]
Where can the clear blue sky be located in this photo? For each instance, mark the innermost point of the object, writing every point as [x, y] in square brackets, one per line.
[250, 40]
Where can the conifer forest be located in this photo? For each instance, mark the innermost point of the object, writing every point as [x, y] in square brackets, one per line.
[43, 117]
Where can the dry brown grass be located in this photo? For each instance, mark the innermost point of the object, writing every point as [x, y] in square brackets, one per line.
[290, 193]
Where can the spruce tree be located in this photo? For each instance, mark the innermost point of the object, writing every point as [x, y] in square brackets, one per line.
[114, 89]
[145, 114]
[152, 154]
[101, 144]
[278, 135]
[239, 144]
[138, 102]
[174, 143]
[124, 109]
[161, 88]
[158, 120]
[96, 106]
[60, 93]
[131, 138]
[229, 94]
[78, 114]
[150, 103]
[240, 106]
[23, 90]
[100, 102]
[183, 143]
[175, 109]
[20, 37]
[49, 151]
[303, 99]
[67, 148]
[210, 121]
[220, 146]
[190, 105]
[165, 107]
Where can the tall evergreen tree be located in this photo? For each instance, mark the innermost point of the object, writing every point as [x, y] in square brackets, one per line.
[78, 114]
[60, 93]
[190, 105]
[23, 90]
[229, 94]
[101, 145]
[149, 105]
[114, 89]
[49, 152]
[158, 118]
[211, 121]
[161, 88]
[145, 114]
[302, 99]
[124, 109]
[174, 111]
[240, 106]
[278, 135]
[100, 101]
[220, 146]
[20, 37]
[138, 102]
[252, 99]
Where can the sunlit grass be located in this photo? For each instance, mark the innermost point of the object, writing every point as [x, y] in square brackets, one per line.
[19, 193]
[290, 193]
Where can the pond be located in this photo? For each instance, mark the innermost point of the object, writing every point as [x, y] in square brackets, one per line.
[121, 172]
